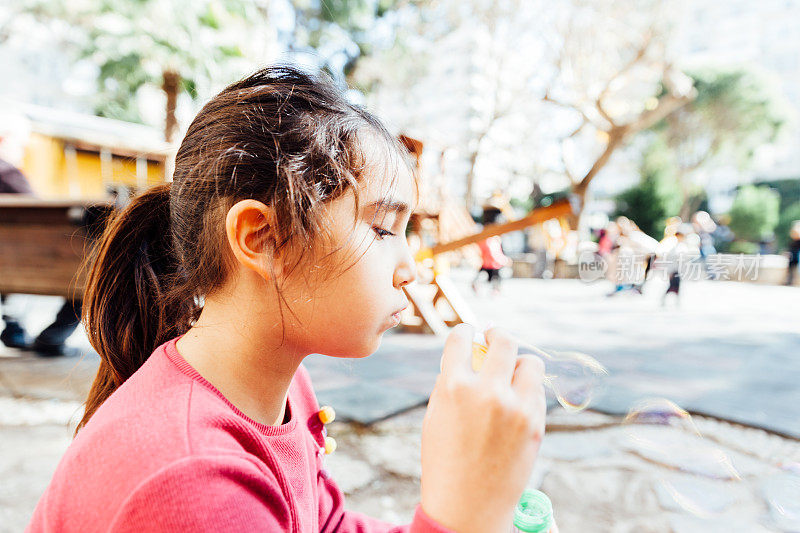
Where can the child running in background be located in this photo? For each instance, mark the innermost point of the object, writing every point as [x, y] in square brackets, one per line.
[676, 253]
[492, 260]
[282, 235]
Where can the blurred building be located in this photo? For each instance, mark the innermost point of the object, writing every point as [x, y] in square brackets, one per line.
[72, 155]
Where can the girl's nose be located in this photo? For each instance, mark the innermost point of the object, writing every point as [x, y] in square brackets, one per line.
[406, 271]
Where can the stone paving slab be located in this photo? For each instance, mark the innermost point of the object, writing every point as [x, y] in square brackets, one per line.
[369, 402]
[65, 378]
[398, 377]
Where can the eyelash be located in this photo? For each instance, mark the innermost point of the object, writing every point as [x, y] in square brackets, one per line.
[382, 233]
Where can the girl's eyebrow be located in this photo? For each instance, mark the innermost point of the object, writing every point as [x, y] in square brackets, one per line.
[389, 204]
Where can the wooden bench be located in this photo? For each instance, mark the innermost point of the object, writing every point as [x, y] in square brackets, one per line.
[44, 242]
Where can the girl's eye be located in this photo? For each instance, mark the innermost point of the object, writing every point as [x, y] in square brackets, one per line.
[382, 232]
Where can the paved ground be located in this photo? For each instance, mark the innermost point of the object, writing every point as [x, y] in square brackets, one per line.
[599, 478]
[729, 350]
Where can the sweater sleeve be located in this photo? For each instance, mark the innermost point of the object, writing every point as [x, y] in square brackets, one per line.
[334, 517]
[206, 493]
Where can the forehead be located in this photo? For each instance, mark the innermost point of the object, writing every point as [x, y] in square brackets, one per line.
[385, 179]
[390, 193]
[386, 175]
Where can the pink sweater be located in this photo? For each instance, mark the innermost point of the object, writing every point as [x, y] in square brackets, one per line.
[168, 452]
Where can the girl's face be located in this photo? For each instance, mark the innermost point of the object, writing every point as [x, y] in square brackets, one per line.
[346, 314]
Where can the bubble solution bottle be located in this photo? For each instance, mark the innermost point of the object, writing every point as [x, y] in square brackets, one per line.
[534, 513]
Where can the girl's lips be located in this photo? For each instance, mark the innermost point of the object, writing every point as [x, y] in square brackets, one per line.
[395, 317]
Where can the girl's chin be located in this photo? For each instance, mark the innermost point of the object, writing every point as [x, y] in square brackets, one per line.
[359, 352]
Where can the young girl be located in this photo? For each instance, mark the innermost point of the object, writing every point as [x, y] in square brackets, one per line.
[282, 235]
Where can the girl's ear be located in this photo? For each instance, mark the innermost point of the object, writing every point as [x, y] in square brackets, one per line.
[250, 227]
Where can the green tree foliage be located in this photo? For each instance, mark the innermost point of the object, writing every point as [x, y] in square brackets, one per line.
[175, 45]
[788, 215]
[735, 112]
[754, 213]
[197, 47]
[740, 112]
[340, 32]
[788, 189]
[789, 192]
[656, 197]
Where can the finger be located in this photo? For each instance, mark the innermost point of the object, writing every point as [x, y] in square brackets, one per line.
[528, 379]
[457, 353]
[528, 385]
[501, 356]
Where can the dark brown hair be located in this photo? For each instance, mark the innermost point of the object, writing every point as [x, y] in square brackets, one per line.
[281, 136]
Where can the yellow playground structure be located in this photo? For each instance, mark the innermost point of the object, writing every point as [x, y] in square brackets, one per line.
[75, 156]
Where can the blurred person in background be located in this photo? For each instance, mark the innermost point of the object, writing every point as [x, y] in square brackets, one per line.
[14, 132]
[767, 244]
[704, 227]
[676, 250]
[605, 239]
[492, 260]
[794, 251]
[495, 211]
[723, 235]
[634, 249]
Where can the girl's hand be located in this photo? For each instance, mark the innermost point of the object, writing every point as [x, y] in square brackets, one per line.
[481, 433]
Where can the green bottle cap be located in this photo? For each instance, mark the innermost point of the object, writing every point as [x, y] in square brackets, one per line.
[534, 512]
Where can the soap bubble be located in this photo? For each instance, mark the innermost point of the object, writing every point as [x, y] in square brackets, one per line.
[651, 429]
[782, 493]
[661, 432]
[575, 378]
[660, 411]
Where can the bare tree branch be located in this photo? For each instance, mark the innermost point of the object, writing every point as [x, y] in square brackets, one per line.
[578, 129]
[619, 134]
[603, 113]
[615, 139]
[666, 105]
[640, 54]
[548, 98]
[567, 171]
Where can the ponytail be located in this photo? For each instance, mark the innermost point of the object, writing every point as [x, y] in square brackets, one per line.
[132, 303]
